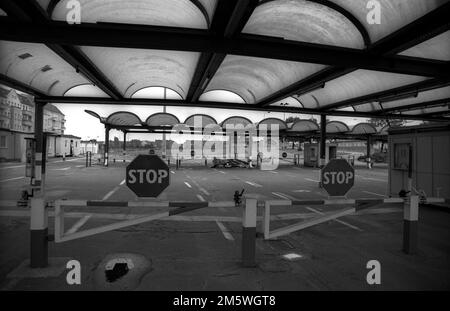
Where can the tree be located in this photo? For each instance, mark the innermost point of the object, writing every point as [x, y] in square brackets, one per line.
[380, 123]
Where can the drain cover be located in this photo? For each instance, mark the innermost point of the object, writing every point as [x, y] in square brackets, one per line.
[121, 271]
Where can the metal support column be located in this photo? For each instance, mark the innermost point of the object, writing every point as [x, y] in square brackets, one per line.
[368, 152]
[323, 137]
[39, 216]
[106, 149]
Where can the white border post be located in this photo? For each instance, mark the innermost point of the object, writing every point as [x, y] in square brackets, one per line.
[410, 224]
[249, 233]
[266, 220]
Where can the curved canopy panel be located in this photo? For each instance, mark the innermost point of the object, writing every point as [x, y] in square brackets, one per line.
[355, 84]
[269, 121]
[221, 96]
[85, 90]
[337, 127]
[435, 48]
[394, 14]
[197, 119]
[95, 115]
[123, 118]
[304, 21]
[363, 129]
[255, 78]
[156, 92]
[289, 102]
[131, 70]
[302, 126]
[235, 120]
[39, 67]
[431, 110]
[162, 119]
[176, 13]
[422, 97]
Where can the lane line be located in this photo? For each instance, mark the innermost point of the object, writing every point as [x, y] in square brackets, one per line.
[78, 224]
[79, 166]
[172, 172]
[309, 179]
[336, 220]
[6, 167]
[273, 172]
[371, 178]
[109, 194]
[200, 198]
[61, 169]
[187, 184]
[253, 184]
[280, 195]
[380, 195]
[225, 231]
[301, 190]
[204, 191]
[122, 182]
[9, 179]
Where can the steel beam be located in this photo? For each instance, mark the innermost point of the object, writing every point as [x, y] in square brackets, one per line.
[150, 37]
[219, 105]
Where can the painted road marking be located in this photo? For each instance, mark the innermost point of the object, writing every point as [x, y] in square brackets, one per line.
[281, 195]
[220, 171]
[79, 166]
[70, 160]
[293, 176]
[313, 180]
[301, 190]
[253, 184]
[172, 172]
[370, 178]
[9, 179]
[204, 191]
[225, 231]
[78, 224]
[336, 220]
[380, 195]
[200, 198]
[17, 166]
[61, 169]
[187, 184]
[109, 194]
[198, 186]
[273, 172]
[122, 182]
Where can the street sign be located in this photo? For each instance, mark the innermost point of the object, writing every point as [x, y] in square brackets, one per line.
[147, 176]
[337, 177]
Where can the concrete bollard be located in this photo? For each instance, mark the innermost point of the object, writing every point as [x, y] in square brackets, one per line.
[410, 224]
[249, 233]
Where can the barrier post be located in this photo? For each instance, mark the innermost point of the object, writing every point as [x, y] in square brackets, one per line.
[266, 220]
[38, 211]
[410, 224]
[249, 233]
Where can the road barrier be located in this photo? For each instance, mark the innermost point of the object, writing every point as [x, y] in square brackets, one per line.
[411, 212]
[181, 207]
[40, 238]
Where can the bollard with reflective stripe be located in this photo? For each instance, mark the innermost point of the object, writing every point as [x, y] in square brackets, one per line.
[249, 233]
[410, 225]
[39, 232]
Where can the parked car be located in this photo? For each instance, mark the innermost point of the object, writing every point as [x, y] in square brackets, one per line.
[377, 157]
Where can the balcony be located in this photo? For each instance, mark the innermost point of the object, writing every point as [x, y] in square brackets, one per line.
[27, 122]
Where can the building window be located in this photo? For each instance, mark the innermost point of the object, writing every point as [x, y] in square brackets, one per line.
[3, 141]
[65, 143]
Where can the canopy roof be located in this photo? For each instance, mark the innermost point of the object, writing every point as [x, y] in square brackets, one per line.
[305, 56]
[128, 121]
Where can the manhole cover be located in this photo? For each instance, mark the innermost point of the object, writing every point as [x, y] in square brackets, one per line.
[118, 267]
[121, 271]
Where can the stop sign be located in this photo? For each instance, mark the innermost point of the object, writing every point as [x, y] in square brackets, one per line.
[337, 177]
[147, 175]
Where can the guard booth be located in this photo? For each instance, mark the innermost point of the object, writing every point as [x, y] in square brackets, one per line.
[311, 153]
[430, 150]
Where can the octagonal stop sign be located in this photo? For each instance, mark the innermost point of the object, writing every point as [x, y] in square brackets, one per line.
[147, 175]
[337, 177]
